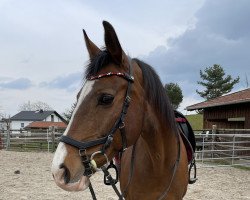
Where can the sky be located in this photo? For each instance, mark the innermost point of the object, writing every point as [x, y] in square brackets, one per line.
[43, 54]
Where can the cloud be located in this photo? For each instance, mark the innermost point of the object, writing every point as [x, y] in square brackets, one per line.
[69, 82]
[220, 36]
[18, 84]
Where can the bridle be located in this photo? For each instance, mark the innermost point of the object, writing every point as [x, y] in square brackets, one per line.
[119, 123]
[106, 141]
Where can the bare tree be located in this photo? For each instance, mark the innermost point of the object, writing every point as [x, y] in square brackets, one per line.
[33, 106]
[68, 112]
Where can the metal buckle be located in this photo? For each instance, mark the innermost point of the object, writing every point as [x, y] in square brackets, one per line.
[82, 152]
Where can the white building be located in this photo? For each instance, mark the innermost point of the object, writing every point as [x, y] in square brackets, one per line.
[24, 118]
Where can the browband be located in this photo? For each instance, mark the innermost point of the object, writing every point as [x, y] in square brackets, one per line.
[123, 75]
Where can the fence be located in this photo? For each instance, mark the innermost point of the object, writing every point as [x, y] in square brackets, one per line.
[223, 147]
[18, 140]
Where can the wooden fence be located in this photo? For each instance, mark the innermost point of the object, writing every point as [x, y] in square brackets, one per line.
[17, 140]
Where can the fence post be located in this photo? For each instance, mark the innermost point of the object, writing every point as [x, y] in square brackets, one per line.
[8, 137]
[214, 130]
[203, 148]
[53, 138]
[1, 143]
[233, 149]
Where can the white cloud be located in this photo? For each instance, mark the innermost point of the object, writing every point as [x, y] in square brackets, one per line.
[18, 84]
[41, 42]
[221, 36]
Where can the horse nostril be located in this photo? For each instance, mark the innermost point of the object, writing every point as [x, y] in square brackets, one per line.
[66, 174]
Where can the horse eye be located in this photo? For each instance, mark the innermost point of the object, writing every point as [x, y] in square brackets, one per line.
[105, 99]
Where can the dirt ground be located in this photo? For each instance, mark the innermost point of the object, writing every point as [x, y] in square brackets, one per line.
[35, 181]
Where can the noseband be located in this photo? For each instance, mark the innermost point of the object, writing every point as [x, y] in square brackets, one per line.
[119, 123]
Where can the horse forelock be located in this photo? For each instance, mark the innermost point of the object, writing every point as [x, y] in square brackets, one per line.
[102, 59]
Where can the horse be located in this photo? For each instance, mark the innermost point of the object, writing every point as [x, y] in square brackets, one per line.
[123, 108]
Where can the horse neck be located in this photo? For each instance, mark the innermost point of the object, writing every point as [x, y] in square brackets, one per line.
[159, 142]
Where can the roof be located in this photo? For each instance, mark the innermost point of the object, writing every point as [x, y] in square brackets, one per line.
[242, 96]
[34, 115]
[42, 124]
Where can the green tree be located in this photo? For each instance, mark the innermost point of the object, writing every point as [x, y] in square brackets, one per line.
[174, 93]
[216, 82]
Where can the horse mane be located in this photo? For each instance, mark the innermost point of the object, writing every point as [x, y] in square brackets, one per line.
[155, 92]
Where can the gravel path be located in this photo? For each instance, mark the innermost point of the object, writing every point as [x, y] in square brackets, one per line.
[35, 182]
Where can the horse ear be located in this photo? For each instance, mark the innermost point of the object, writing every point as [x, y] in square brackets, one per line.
[92, 48]
[112, 43]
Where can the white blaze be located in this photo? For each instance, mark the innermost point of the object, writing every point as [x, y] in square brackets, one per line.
[61, 151]
[85, 91]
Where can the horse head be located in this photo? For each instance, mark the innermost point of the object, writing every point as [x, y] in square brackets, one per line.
[110, 102]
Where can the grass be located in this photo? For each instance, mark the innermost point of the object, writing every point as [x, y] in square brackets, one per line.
[196, 121]
[242, 167]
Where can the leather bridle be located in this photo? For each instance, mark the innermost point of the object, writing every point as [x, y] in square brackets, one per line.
[107, 140]
[119, 124]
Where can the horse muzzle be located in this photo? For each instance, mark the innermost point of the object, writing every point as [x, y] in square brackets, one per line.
[66, 176]
[77, 184]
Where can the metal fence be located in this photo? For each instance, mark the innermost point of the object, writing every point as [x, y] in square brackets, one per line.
[17, 140]
[223, 147]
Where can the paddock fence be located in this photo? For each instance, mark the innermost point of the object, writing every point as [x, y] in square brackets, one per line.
[223, 147]
[19, 140]
[220, 147]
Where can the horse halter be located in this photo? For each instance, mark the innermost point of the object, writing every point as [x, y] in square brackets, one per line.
[106, 140]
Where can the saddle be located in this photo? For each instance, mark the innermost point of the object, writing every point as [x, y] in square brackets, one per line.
[188, 137]
[187, 134]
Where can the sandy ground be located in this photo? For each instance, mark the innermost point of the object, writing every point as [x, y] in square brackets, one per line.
[35, 181]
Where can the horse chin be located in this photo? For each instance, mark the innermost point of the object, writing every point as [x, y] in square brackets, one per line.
[80, 185]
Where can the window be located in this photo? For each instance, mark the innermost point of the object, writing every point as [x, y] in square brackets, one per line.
[22, 125]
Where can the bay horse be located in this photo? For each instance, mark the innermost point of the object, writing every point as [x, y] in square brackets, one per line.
[122, 107]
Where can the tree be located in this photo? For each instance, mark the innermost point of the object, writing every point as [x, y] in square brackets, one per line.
[216, 82]
[38, 105]
[68, 113]
[174, 93]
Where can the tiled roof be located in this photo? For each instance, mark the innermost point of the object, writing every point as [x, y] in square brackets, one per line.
[42, 124]
[31, 115]
[242, 96]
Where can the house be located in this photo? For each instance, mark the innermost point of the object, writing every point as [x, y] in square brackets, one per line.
[37, 120]
[231, 111]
